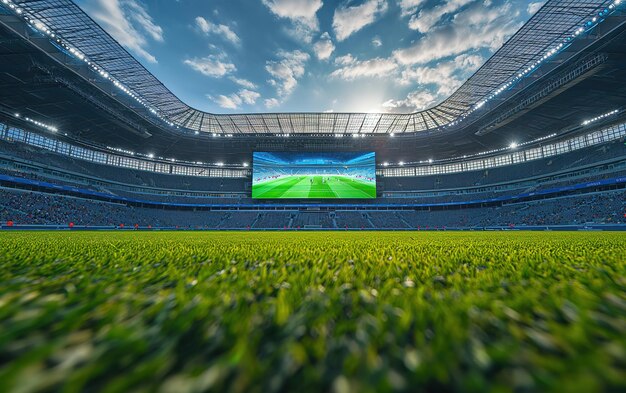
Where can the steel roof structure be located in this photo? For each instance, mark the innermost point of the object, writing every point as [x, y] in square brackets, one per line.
[549, 30]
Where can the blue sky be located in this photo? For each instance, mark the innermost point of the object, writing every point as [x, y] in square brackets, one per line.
[240, 56]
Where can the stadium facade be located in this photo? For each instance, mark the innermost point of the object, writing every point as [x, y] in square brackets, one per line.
[534, 139]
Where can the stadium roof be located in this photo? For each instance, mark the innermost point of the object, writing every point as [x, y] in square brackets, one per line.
[548, 32]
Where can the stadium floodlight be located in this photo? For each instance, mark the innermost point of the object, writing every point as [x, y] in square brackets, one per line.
[17, 115]
[401, 163]
[430, 160]
[245, 164]
[513, 145]
[385, 163]
[589, 121]
[392, 135]
[150, 155]
[40, 124]
[220, 164]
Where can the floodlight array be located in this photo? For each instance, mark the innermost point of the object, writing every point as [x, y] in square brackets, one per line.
[550, 53]
[38, 123]
[601, 117]
[68, 48]
[511, 146]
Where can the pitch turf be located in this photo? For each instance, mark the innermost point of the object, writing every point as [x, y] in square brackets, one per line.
[268, 312]
[322, 187]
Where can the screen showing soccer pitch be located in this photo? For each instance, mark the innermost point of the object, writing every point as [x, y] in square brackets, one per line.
[313, 175]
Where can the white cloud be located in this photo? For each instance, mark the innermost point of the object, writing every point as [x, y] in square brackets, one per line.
[415, 101]
[223, 31]
[353, 69]
[249, 96]
[243, 82]
[469, 63]
[376, 42]
[445, 76]
[409, 7]
[140, 15]
[302, 14]
[286, 71]
[349, 20]
[474, 28]
[302, 10]
[324, 47]
[426, 19]
[534, 7]
[213, 66]
[235, 100]
[128, 22]
[345, 60]
[271, 103]
[436, 82]
[227, 102]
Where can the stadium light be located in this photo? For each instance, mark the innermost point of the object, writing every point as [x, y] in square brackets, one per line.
[587, 26]
[220, 164]
[42, 125]
[430, 160]
[597, 118]
[385, 163]
[245, 164]
[513, 145]
[17, 115]
[401, 163]
[150, 155]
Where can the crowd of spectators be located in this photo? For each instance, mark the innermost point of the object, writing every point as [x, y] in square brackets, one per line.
[27, 207]
[274, 219]
[455, 187]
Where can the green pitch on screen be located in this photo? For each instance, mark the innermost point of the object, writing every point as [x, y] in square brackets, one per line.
[316, 187]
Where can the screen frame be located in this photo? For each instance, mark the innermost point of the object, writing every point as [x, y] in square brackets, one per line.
[315, 199]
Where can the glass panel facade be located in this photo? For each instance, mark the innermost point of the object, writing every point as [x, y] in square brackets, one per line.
[604, 135]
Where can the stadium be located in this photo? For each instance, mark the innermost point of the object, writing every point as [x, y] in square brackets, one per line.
[471, 241]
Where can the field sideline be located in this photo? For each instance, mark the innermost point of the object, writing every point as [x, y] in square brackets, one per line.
[322, 187]
[340, 312]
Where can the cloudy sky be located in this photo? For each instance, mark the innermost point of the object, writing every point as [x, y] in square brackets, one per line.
[233, 56]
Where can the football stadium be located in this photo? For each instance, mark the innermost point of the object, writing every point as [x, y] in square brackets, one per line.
[313, 195]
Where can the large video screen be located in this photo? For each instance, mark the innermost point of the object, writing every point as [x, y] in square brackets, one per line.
[313, 175]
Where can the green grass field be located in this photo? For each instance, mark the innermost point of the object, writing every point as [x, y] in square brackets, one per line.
[319, 312]
[302, 187]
